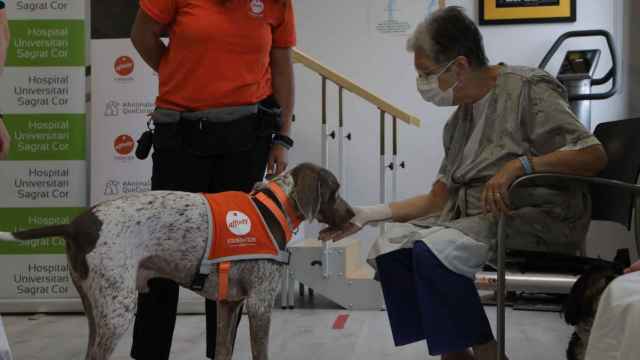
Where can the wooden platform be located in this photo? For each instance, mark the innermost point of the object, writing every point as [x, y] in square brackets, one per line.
[349, 281]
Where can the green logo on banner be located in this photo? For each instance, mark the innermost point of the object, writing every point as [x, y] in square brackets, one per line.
[47, 136]
[46, 43]
[22, 218]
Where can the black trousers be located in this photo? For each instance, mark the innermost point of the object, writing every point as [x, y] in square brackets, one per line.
[177, 168]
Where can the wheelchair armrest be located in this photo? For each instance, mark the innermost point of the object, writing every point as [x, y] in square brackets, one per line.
[554, 178]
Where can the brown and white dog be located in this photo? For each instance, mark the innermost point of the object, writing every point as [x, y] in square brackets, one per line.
[115, 247]
[582, 305]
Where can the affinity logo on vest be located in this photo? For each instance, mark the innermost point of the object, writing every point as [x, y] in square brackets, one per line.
[238, 223]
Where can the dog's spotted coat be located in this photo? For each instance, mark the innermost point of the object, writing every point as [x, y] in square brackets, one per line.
[116, 247]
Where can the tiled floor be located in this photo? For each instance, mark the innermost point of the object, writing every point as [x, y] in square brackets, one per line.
[296, 334]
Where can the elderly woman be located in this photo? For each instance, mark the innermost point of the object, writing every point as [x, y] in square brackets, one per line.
[510, 121]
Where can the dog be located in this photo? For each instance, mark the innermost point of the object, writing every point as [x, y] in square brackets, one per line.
[582, 305]
[115, 247]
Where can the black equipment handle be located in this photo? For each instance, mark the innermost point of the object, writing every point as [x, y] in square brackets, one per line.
[611, 75]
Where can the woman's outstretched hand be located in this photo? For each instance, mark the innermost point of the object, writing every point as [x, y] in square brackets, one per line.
[337, 234]
[364, 215]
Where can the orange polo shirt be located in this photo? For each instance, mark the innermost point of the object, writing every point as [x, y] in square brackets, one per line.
[218, 55]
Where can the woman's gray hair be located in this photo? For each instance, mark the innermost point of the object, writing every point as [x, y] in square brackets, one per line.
[448, 33]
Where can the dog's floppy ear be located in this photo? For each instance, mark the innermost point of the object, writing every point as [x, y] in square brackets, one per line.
[582, 301]
[307, 190]
[314, 186]
[573, 307]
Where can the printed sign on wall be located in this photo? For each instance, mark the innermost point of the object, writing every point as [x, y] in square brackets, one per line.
[399, 17]
[44, 180]
[122, 95]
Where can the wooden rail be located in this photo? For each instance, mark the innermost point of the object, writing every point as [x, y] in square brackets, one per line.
[343, 82]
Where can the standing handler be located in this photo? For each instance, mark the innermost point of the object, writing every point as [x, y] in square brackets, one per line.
[223, 115]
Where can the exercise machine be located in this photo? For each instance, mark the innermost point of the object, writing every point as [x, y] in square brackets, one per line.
[578, 71]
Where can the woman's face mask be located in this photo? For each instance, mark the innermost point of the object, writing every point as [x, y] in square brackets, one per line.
[430, 90]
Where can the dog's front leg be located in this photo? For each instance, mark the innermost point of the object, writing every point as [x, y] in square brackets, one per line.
[228, 312]
[259, 312]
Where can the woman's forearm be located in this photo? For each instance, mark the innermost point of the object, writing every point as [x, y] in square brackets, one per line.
[283, 85]
[146, 38]
[422, 205]
[584, 162]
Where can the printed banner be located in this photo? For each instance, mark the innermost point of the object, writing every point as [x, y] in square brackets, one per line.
[122, 95]
[44, 180]
[36, 277]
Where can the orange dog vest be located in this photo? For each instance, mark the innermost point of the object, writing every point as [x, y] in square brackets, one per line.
[239, 232]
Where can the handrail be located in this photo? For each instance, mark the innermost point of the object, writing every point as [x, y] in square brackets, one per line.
[344, 82]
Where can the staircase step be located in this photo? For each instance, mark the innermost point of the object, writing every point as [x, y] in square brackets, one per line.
[349, 246]
[364, 272]
[306, 243]
[349, 283]
[350, 241]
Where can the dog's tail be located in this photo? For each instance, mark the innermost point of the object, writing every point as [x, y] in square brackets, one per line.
[49, 231]
[6, 236]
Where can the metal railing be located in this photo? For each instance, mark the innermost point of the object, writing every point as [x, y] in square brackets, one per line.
[385, 108]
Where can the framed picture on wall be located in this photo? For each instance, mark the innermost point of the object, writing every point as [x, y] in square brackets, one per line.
[496, 12]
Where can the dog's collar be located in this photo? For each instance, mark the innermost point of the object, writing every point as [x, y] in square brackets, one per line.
[285, 182]
[284, 211]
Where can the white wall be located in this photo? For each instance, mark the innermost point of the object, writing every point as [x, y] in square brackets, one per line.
[632, 9]
[339, 33]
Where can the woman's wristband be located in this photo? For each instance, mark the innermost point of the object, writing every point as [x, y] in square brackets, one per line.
[527, 165]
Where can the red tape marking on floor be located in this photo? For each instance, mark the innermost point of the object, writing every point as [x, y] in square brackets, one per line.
[341, 320]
